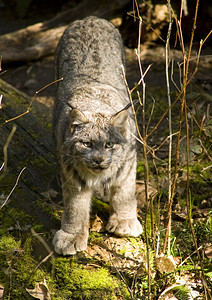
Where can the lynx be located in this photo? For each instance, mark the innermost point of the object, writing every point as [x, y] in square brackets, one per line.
[94, 133]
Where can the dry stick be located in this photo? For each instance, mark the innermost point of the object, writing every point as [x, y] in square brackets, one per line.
[184, 107]
[170, 119]
[172, 72]
[180, 36]
[179, 31]
[1, 98]
[135, 3]
[132, 105]
[145, 146]
[165, 113]
[152, 150]
[208, 155]
[174, 177]
[200, 126]
[177, 149]
[188, 257]
[151, 114]
[180, 119]
[140, 81]
[1, 73]
[143, 142]
[150, 27]
[2, 166]
[16, 183]
[140, 139]
[30, 104]
[202, 42]
[1, 62]
[163, 142]
[121, 276]
[50, 255]
[178, 23]
[146, 170]
[146, 179]
[187, 148]
[6, 146]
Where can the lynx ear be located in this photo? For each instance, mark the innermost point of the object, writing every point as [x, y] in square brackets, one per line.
[119, 121]
[77, 118]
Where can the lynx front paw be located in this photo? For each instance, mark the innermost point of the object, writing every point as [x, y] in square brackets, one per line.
[68, 244]
[123, 227]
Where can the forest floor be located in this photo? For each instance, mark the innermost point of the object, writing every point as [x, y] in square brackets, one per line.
[115, 268]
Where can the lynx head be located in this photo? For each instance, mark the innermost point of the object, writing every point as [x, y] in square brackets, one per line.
[96, 141]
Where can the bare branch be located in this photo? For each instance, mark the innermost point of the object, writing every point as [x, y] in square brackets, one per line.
[16, 183]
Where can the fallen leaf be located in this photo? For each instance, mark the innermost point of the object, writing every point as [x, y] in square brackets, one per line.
[208, 250]
[1, 292]
[165, 264]
[97, 225]
[40, 291]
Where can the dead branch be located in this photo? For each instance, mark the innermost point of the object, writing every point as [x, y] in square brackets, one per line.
[30, 43]
[38, 40]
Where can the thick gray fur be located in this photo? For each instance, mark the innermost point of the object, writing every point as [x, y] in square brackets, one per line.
[95, 146]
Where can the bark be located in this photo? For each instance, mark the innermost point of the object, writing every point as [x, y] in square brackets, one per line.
[31, 147]
[30, 43]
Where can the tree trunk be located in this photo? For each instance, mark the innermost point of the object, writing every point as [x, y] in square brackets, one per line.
[31, 147]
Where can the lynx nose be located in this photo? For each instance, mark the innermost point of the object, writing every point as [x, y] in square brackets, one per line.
[98, 160]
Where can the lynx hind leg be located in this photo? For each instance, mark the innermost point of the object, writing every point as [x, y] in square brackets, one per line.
[124, 227]
[68, 244]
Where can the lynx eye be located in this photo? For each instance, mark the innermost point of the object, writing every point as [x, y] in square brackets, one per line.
[109, 145]
[87, 144]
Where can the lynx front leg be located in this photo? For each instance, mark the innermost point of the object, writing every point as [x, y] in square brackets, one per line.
[123, 217]
[73, 235]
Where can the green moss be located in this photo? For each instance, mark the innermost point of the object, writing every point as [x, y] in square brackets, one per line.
[99, 205]
[33, 134]
[140, 168]
[12, 218]
[76, 282]
[96, 238]
[201, 171]
[135, 241]
[8, 243]
[100, 208]
[17, 267]
[49, 126]
[26, 272]
[8, 246]
[49, 209]
[7, 181]
[40, 162]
